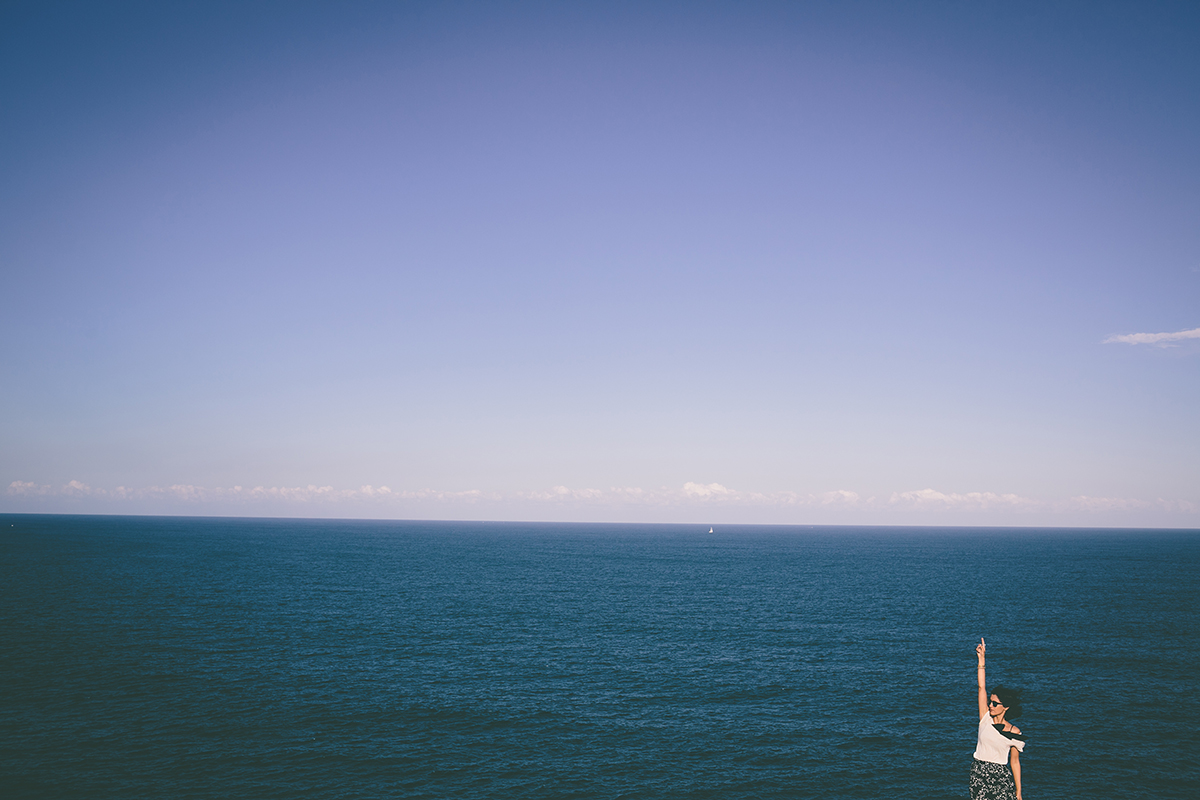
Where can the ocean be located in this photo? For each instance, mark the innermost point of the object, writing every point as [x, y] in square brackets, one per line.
[271, 658]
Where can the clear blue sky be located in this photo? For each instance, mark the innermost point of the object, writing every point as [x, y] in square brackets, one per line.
[844, 262]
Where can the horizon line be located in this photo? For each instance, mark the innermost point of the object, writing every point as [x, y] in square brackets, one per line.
[594, 523]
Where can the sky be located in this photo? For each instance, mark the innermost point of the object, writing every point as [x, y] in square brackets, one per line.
[804, 263]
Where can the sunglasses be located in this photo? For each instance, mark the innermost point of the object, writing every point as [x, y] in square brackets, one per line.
[995, 703]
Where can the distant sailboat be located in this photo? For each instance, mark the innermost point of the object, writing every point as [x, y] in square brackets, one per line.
[710, 529]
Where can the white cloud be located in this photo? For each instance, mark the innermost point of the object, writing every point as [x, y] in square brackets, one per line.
[704, 490]
[313, 493]
[27, 489]
[970, 501]
[933, 500]
[70, 489]
[692, 493]
[615, 495]
[1160, 339]
[190, 493]
[839, 498]
[1086, 503]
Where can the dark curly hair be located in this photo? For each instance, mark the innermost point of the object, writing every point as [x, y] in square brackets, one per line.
[1010, 699]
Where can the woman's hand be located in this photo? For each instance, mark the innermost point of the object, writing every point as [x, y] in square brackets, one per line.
[981, 678]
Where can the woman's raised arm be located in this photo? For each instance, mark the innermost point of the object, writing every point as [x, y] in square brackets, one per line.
[980, 673]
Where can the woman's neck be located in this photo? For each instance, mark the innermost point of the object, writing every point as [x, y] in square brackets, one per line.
[998, 719]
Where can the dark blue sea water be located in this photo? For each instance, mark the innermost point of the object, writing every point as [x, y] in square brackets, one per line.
[190, 658]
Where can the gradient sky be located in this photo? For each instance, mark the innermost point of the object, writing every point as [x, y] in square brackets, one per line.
[844, 262]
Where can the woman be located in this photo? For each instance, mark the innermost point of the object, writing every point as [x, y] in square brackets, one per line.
[996, 772]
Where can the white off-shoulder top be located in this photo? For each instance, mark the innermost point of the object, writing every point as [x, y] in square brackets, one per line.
[993, 744]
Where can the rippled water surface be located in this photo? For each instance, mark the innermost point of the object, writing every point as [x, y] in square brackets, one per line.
[157, 657]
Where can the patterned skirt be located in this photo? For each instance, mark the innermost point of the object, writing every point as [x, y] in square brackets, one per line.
[992, 781]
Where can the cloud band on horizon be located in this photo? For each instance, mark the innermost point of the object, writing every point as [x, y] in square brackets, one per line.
[691, 494]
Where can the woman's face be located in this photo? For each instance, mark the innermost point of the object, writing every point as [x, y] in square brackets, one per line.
[994, 707]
